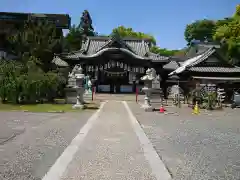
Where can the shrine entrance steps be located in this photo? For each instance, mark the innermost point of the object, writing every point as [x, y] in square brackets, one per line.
[123, 97]
[116, 97]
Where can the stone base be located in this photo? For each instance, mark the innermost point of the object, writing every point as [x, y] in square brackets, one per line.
[88, 92]
[147, 108]
[78, 106]
[156, 91]
[71, 96]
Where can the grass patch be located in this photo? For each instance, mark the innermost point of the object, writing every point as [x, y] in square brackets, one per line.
[45, 107]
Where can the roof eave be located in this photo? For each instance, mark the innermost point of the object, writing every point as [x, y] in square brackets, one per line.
[108, 49]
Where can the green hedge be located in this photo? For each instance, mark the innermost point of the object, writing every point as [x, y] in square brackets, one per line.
[27, 84]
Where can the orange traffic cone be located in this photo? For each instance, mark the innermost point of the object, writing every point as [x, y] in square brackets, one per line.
[162, 110]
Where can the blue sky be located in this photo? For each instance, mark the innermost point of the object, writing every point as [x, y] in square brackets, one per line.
[165, 20]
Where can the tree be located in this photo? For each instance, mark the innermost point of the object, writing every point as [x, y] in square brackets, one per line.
[129, 32]
[200, 30]
[86, 24]
[122, 31]
[164, 51]
[237, 12]
[222, 22]
[73, 39]
[228, 34]
[77, 33]
[37, 40]
[26, 83]
[30, 78]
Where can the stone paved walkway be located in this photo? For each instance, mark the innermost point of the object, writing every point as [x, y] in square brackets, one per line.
[112, 150]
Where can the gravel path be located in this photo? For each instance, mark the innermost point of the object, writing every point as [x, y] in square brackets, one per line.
[193, 147]
[202, 147]
[31, 142]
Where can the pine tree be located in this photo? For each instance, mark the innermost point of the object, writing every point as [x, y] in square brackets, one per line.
[80, 32]
[86, 24]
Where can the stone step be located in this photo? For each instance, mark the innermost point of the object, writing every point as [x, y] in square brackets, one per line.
[124, 97]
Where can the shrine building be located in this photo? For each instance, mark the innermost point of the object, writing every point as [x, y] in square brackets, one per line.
[116, 64]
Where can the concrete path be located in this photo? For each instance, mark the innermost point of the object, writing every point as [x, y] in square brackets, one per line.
[111, 146]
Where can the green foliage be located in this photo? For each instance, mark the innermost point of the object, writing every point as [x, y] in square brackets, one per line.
[9, 72]
[129, 32]
[29, 79]
[122, 32]
[210, 100]
[229, 34]
[86, 24]
[237, 12]
[225, 31]
[36, 40]
[27, 83]
[77, 33]
[222, 22]
[74, 38]
[163, 51]
[200, 30]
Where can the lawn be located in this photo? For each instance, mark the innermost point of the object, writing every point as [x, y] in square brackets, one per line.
[45, 107]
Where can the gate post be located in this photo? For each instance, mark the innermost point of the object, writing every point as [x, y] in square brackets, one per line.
[136, 94]
[93, 92]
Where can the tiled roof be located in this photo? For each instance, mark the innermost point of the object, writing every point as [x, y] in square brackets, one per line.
[94, 44]
[193, 61]
[217, 78]
[208, 44]
[202, 57]
[200, 47]
[75, 55]
[59, 62]
[139, 47]
[215, 69]
[157, 57]
[172, 65]
[192, 65]
[179, 58]
[113, 39]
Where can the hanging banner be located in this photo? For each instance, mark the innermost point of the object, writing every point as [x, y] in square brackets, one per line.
[109, 73]
[115, 64]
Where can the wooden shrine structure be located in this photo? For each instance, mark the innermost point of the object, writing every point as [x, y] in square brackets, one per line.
[115, 63]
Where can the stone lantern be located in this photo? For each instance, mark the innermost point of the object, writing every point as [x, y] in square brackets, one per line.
[76, 86]
[79, 76]
[147, 89]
